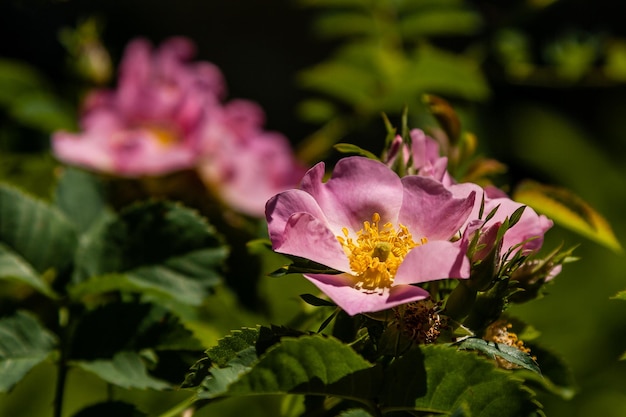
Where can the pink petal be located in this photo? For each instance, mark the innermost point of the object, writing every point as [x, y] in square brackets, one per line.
[281, 207]
[433, 261]
[358, 188]
[340, 289]
[430, 210]
[530, 225]
[307, 237]
[87, 152]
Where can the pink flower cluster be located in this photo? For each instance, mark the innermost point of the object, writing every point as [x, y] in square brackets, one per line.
[384, 234]
[167, 114]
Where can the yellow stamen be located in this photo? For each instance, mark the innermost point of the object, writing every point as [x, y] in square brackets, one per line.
[377, 253]
[165, 136]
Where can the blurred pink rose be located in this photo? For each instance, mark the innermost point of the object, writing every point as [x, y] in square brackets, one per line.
[167, 114]
[244, 164]
[151, 123]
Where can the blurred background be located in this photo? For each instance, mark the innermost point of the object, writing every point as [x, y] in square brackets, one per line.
[542, 83]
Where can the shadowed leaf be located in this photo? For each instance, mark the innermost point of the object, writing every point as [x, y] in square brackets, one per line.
[126, 369]
[108, 409]
[439, 379]
[24, 343]
[35, 231]
[160, 249]
[509, 353]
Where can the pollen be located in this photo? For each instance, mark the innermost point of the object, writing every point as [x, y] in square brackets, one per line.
[377, 252]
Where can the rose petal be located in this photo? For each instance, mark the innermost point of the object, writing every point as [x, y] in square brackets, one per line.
[430, 210]
[358, 188]
[340, 289]
[307, 237]
[281, 207]
[433, 261]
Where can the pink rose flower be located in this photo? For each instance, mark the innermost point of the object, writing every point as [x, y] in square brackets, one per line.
[422, 157]
[150, 124]
[384, 233]
[242, 163]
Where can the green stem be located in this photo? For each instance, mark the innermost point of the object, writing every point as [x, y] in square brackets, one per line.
[63, 368]
[180, 408]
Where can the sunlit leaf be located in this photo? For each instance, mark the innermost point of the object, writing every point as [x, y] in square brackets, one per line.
[232, 345]
[126, 369]
[341, 80]
[24, 343]
[316, 110]
[620, 295]
[441, 72]
[440, 22]
[355, 150]
[567, 210]
[35, 231]
[308, 364]
[228, 349]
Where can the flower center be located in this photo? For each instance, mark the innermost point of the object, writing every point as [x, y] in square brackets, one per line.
[377, 253]
[165, 136]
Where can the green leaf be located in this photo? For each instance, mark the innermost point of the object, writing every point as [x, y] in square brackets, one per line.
[17, 78]
[441, 379]
[353, 149]
[13, 267]
[43, 111]
[316, 301]
[309, 364]
[111, 408]
[80, 196]
[339, 24]
[620, 296]
[126, 369]
[24, 343]
[355, 412]
[302, 266]
[160, 249]
[28, 171]
[509, 353]
[440, 22]
[441, 72]
[230, 346]
[567, 210]
[35, 231]
[342, 80]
